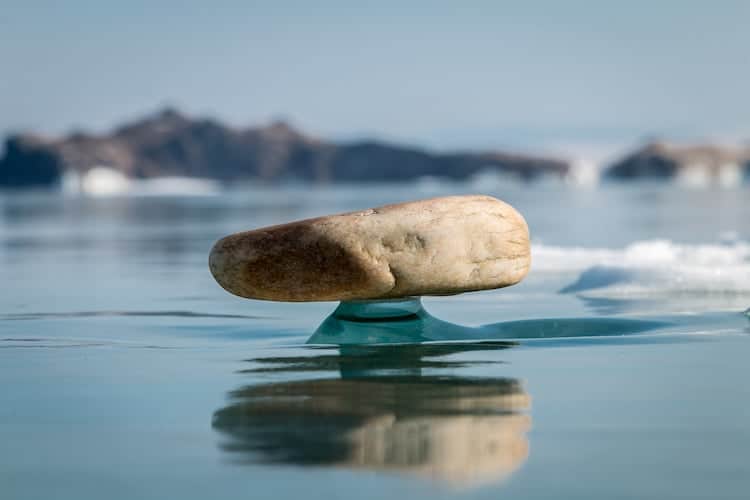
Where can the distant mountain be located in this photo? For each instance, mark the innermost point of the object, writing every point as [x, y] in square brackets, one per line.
[700, 163]
[171, 144]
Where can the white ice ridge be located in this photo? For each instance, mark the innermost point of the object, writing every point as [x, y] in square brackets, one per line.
[104, 181]
[650, 267]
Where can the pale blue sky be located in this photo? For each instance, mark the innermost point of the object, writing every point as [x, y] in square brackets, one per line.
[444, 74]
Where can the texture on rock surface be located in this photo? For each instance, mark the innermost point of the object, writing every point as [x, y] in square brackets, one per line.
[439, 246]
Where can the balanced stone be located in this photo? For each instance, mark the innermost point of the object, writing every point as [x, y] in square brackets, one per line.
[440, 246]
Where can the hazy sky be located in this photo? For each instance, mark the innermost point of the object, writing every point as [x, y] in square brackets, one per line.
[446, 74]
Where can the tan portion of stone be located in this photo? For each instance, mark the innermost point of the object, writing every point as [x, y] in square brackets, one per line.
[439, 246]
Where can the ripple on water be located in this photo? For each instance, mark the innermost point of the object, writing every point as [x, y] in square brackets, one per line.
[97, 314]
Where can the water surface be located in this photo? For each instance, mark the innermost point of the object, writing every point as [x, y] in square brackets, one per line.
[616, 370]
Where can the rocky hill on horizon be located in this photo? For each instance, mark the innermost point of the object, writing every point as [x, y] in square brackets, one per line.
[701, 164]
[169, 143]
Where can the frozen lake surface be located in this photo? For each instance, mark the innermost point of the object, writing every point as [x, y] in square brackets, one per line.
[128, 373]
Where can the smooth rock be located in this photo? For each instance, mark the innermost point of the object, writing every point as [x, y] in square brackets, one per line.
[440, 246]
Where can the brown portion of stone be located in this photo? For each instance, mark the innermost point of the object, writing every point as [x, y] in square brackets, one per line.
[285, 263]
[432, 247]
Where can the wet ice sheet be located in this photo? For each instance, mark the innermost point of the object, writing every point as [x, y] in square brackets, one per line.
[128, 373]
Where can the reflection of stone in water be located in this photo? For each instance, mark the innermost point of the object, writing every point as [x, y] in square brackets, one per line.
[369, 360]
[455, 449]
[460, 430]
